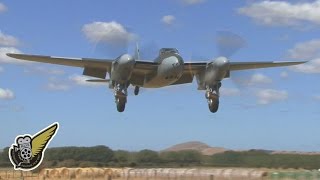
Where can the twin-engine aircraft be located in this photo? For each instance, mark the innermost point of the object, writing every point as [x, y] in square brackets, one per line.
[166, 70]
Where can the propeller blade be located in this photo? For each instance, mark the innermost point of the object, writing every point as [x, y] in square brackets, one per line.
[229, 43]
[149, 51]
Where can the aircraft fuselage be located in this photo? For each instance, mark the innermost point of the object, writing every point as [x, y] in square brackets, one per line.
[170, 69]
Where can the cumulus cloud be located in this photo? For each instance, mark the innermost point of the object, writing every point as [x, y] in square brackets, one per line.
[7, 40]
[310, 67]
[43, 70]
[305, 50]
[284, 74]
[8, 60]
[260, 79]
[254, 80]
[267, 96]
[6, 94]
[56, 86]
[309, 50]
[316, 97]
[192, 2]
[168, 20]
[3, 8]
[283, 13]
[229, 91]
[72, 81]
[107, 32]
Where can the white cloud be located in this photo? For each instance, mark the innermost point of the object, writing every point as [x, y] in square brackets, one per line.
[267, 96]
[306, 50]
[309, 50]
[310, 67]
[56, 86]
[6, 94]
[316, 97]
[192, 2]
[7, 40]
[283, 13]
[107, 32]
[260, 79]
[284, 74]
[3, 8]
[82, 81]
[5, 59]
[168, 20]
[229, 91]
[43, 70]
[254, 80]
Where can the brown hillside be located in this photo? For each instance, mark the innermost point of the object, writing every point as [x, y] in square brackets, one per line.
[197, 146]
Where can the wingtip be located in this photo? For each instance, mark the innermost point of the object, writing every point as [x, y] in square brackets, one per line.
[12, 55]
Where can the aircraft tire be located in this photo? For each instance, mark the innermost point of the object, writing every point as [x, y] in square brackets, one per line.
[121, 105]
[213, 105]
[136, 90]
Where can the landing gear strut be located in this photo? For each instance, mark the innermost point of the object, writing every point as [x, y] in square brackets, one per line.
[120, 94]
[212, 96]
[136, 90]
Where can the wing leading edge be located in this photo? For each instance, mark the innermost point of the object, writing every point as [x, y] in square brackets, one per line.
[75, 62]
[99, 67]
[198, 67]
[235, 66]
[92, 67]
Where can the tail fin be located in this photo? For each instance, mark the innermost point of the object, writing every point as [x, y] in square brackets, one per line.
[137, 52]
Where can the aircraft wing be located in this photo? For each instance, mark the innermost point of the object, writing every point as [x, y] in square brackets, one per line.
[92, 67]
[194, 68]
[75, 62]
[235, 66]
[198, 67]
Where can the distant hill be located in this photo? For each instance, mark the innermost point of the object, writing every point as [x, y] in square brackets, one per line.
[197, 146]
[208, 150]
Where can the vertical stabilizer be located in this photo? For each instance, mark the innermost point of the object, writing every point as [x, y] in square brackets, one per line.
[137, 52]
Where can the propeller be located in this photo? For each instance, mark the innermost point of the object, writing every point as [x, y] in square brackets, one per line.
[112, 49]
[228, 43]
[149, 50]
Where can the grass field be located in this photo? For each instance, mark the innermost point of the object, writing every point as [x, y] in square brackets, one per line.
[162, 174]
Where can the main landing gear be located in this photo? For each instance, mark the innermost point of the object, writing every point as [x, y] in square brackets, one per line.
[212, 96]
[136, 90]
[120, 94]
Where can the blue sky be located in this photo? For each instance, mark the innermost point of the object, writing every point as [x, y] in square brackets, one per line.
[273, 109]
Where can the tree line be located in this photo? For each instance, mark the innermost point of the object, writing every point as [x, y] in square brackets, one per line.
[103, 156]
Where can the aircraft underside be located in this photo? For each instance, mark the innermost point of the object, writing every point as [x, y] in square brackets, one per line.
[169, 71]
[166, 70]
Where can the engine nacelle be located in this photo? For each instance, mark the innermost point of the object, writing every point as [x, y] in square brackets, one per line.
[122, 68]
[214, 73]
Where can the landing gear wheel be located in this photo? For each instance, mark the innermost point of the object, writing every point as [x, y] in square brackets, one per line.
[121, 104]
[213, 104]
[136, 90]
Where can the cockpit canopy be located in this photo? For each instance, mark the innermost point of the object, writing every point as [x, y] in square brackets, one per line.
[164, 51]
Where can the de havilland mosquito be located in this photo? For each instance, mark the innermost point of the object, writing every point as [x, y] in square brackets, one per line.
[167, 69]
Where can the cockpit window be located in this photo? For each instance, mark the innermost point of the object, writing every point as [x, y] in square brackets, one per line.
[168, 51]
